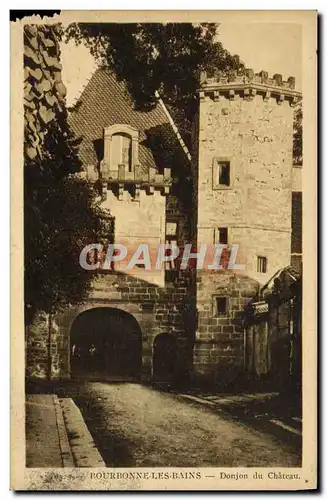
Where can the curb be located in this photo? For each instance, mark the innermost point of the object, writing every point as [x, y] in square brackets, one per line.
[84, 450]
[230, 404]
[66, 453]
[198, 399]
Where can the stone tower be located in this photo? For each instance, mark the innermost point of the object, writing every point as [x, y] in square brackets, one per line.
[243, 189]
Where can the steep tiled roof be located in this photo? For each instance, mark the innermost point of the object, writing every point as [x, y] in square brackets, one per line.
[105, 102]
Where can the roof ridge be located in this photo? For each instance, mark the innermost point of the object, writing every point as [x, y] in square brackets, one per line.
[174, 126]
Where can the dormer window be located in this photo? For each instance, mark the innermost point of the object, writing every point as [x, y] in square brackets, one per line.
[120, 170]
[121, 152]
[121, 149]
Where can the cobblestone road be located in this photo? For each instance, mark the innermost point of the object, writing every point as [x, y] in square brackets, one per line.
[134, 425]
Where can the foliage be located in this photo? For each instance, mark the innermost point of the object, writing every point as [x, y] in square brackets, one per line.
[60, 213]
[167, 57]
[61, 217]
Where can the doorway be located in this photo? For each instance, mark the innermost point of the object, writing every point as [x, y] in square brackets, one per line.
[106, 344]
[164, 358]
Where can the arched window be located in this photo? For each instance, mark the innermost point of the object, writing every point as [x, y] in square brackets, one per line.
[121, 151]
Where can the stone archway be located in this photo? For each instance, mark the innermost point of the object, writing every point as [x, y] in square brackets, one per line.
[105, 344]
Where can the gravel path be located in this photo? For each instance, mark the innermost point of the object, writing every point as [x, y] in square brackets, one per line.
[134, 425]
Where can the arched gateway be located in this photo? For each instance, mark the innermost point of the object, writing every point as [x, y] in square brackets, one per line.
[105, 344]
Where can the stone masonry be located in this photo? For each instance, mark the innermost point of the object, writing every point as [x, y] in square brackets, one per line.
[244, 123]
[157, 310]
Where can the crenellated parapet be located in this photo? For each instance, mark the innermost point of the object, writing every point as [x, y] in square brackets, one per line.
[248, 85]
[139, 178]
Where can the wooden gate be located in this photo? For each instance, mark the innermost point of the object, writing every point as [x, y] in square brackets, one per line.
[273, 343]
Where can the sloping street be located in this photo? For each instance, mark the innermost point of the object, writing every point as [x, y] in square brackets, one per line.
[134, 425]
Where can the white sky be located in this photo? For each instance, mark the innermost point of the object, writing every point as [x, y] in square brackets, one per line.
[77, 66]
[273, 47]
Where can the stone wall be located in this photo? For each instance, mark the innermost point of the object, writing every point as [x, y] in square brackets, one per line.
[297, 178]
[256, 137]
[296, 256]
[252, 130]
[42, 348]
[219, 345]
[138, 222]
[158, 310]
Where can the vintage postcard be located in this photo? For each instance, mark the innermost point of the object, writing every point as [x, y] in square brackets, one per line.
[164, 220]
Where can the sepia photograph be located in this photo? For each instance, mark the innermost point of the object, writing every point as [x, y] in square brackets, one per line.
[162, 255]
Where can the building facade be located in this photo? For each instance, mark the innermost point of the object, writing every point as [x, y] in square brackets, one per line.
[243, 173]
[173, 324]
